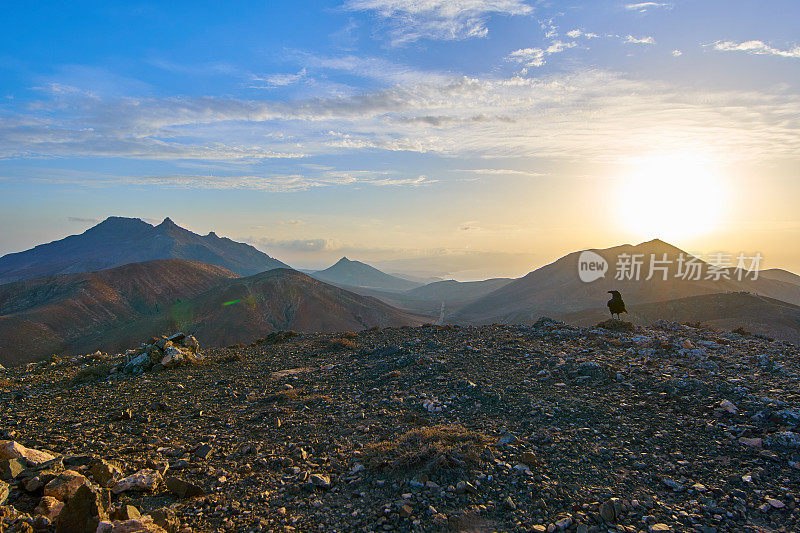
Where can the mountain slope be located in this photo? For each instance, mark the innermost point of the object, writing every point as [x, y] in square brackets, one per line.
[244, 309]
[721, 311]
[780, 275]
[556, 289]
[357, 274]
[118, 241]
[57, 314]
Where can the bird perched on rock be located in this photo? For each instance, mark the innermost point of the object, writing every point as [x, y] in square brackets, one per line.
[615, 304]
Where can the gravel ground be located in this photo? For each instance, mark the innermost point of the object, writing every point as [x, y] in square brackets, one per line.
[436, 428]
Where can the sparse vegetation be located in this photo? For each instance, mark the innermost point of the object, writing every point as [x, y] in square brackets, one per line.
[92, 373]
[430, 448]
[341, 343]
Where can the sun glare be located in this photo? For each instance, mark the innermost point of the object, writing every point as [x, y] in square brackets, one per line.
[670, 197]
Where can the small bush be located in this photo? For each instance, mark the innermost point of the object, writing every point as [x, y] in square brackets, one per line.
[350, 335]
[92, 373]
[283, 396]
[341, 343]
[430, 448]
[741, 331]
[277, 337]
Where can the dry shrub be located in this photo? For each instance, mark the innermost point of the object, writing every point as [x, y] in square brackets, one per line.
[277, 337]
[350, 335]
[283, 396]
[92, 373]
[341, 343]
[5, 383]
[741, 331]
[430, 448]
[235, 357]
[615, 324]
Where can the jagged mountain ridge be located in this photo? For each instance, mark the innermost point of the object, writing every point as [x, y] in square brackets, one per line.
[118, 241]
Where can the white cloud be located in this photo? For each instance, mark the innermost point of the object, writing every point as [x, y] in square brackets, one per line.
[280, 80]
[642, 7]
[535, 57]
[630, 39]
[677, 53]
[756, 47]
[574, 34]
[438, 19]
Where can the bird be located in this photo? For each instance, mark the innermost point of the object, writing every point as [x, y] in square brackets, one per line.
[615, 304]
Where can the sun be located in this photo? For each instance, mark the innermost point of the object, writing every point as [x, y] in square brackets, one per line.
[671, 196]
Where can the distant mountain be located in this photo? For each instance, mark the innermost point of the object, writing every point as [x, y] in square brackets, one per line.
[721, 311]
[556, 289]
[118, 241]
[780, 275]
[71, 313]
[451, 291]
[347, 273]
[115, 309]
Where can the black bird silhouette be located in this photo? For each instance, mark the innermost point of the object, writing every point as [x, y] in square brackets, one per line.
[615, 304]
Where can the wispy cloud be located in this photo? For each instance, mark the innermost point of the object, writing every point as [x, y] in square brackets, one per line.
[278, 80]
[630, 39]
[83, 220]
[535, 57]
[757, 48]
[438, 19]
[642, 7]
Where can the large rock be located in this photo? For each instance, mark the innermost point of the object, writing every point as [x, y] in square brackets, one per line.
[105, 473]
[10, 449]
[143, 524]
[11, 468]
[81, 513]
[49, 507]
[144, 480]
[64, 485]
[4, 490]
[183, 489]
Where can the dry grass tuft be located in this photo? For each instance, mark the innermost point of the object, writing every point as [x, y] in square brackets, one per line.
[430, 448]
[92, 373]
[277, 337]
[341, 343]
[283, 396]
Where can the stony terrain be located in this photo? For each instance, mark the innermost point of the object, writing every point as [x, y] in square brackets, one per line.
[494, 428]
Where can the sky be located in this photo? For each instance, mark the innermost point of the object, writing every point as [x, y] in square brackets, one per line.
[462, 138]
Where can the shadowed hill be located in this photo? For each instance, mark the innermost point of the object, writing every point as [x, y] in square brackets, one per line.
[245, 309]
[118, 241]
[357, 274]
[556, 289]
[55, 314]
[721, 311]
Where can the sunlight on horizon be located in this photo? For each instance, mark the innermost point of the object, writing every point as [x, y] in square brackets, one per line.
[671, 196]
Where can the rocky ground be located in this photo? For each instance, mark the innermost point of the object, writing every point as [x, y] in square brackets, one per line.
[497, 428]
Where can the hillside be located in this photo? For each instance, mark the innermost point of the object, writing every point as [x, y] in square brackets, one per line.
[59, 314]
[118, 241]
[430, 429]
[722, 311]
[349, 273]
[556, 289]
[245, 309]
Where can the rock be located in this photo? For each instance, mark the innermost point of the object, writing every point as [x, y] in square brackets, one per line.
[10, 449]
[790, 439]
[406, 511]
[203, 451]
[751, 442]
[144, 480]
[64, 486]
[124, 512]
[320, 480]
[11, 468]
[105, 473]
[660, 528]
[608, 511]
[82, 512]
[144, 524]
[166, 519]
[49, 507]
[4, 490]
[509, 504]
[192, 344]
[775, 504]
[728, 406]
[183, 489]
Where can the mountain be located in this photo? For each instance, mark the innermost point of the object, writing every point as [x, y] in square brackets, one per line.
[118, 241]
[245, 309]
[780, 275]
[70, 312]
[452, 291]
[357, 274]
[721, 311]
[115, 309]
[556, 289]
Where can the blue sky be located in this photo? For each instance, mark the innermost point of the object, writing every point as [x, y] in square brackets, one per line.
[466, 137]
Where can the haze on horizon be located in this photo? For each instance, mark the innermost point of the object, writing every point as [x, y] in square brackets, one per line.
[476, 138]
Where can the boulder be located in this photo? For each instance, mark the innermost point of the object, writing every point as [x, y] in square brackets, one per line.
[143, 524]
[4, 490]
[82, 512]
[144, 480]
[10, 449]
[49, 507]
[64, 485]
[105, 473]
[11, 468]
[183, 489]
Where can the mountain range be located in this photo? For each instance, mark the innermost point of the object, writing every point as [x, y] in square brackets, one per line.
[119, 241]
[90, 291]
